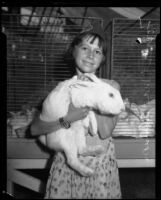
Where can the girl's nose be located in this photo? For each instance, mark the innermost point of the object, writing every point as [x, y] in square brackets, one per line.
[90, 54]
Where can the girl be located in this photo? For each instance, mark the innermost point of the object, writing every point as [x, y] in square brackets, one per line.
[88, 51]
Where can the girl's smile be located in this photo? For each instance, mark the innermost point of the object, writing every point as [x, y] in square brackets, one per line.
[85, 62]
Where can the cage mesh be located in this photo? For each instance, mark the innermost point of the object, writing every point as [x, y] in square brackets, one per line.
[36, 47]
[133, 57]
[132, 64]
[35, 63]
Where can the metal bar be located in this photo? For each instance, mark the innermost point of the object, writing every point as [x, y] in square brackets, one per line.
[85, 12]
[51, 33]
[33, 10]
[58, 12]
[58, 15]
[41, 16]
[48, 17]
[149, 12]
[138, 19]
[40, 19]
[28, 25]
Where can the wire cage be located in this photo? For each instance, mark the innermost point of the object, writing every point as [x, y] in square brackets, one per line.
[36, 47]
[133, 57]
[132, 64]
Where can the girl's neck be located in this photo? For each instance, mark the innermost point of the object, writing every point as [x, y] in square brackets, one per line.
[79, 73]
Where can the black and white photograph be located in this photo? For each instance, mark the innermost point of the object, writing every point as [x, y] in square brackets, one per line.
[81, 101]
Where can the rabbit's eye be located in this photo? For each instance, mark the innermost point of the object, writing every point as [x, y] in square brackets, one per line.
[111, 95]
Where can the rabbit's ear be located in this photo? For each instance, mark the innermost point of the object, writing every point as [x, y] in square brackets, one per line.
[92, 77]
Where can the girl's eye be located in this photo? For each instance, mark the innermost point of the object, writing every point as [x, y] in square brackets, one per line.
[98, 52]
[84, 48]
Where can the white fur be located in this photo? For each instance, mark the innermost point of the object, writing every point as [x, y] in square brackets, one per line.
[94, 94]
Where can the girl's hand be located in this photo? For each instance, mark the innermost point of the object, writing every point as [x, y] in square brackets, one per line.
[75, 114]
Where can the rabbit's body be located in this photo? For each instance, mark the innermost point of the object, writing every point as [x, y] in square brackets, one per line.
[96, 95]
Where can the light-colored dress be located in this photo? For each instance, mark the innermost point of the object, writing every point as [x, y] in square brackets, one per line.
[65, 183]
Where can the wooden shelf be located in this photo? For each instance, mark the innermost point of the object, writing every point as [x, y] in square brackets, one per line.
[126, 148]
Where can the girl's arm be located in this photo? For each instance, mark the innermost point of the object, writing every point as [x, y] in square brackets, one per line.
[40, 127]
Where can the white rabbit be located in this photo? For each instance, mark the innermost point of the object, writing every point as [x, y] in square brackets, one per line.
[95, 94]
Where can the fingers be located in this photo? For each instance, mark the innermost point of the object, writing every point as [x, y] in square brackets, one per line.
[75, 114]
[86, 111]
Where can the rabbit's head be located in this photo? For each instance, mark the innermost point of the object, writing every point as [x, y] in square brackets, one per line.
[98, 95]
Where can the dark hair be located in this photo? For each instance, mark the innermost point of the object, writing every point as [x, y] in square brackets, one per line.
[79, 38]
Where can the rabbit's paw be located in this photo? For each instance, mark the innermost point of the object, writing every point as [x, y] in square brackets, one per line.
[87, 172]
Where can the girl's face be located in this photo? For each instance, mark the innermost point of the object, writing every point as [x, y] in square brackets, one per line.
[88, 56]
